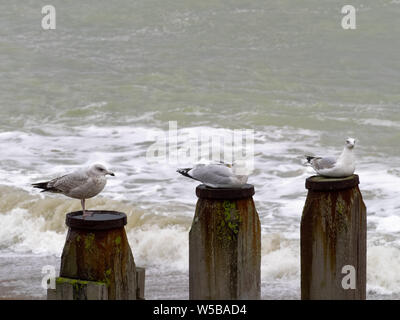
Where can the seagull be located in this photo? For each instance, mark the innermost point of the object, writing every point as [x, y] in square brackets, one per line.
[343, 166]
[216, 175]
[82, 184]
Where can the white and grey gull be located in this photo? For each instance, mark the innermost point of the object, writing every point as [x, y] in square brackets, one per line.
[217, 175]
[82, 184]
[343, 166]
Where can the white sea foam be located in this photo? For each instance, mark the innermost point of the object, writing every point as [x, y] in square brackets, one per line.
[21, 233]
[382, 274]
[280, 258]
[381, 123]
[163, 247]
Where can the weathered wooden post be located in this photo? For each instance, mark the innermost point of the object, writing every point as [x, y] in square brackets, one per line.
[97, 262]
[225, 245]
[333, 240]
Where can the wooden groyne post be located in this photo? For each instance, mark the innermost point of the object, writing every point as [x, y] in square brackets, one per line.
[97, 261]
[333, 240]
[225, 245]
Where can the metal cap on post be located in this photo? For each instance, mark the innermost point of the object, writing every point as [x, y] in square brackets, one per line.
[319, 183]
[333, 240]
[225, 245]
[204, 192]
[100, 220]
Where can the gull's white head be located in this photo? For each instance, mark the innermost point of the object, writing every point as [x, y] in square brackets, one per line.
[350, 143]
[100, 170]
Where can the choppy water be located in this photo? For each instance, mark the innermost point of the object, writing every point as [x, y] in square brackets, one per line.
[108, 80]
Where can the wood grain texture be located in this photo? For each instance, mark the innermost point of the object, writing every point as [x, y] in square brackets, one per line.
[333, 234]
[225, 250]
[104, 256]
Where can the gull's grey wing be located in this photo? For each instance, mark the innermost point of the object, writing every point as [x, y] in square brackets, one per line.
[213, 174]
[68, 182]
[323, 163]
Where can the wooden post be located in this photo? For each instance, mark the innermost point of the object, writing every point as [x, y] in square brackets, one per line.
[97, 249]
[225, 245]
[140, 282]
[72, 289]
[333, 240]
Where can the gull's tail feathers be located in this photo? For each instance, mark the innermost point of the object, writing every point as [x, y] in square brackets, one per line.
[310, 158]
[41, 185]
[184, 172]
[45, 187]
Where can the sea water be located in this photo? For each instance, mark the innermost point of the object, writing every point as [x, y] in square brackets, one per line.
[114, 74]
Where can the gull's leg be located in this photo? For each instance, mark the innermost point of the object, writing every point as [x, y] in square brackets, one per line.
[85, 212]
[83, 207]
